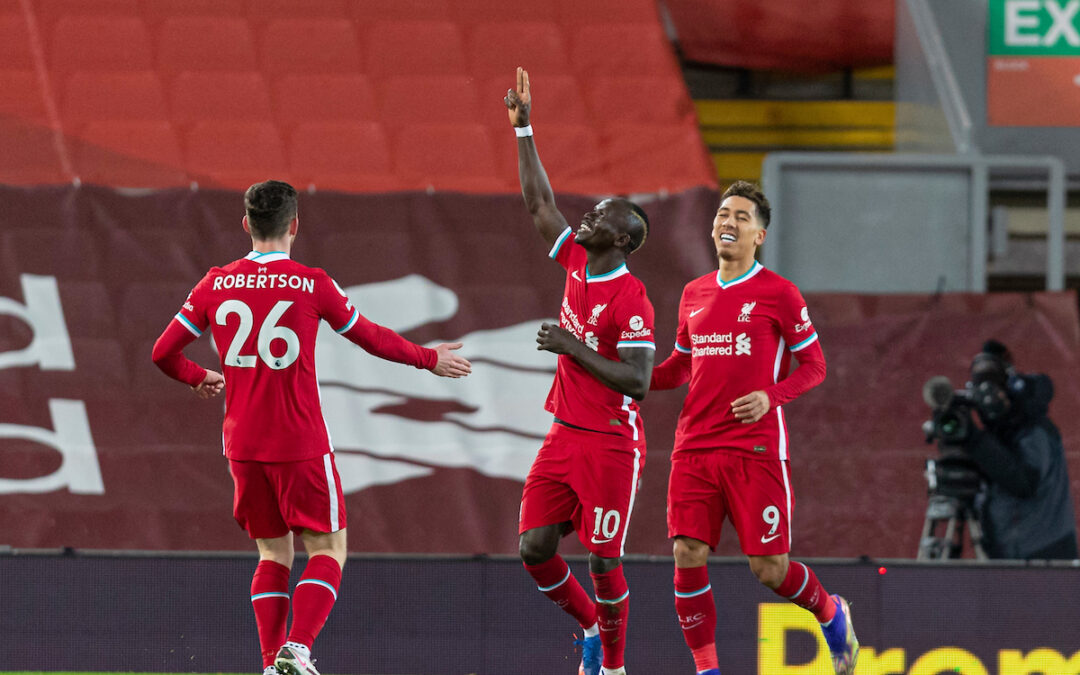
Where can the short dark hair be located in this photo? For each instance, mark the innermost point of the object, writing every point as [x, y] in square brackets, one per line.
[270, 206]
[751, 191]
[637, 234]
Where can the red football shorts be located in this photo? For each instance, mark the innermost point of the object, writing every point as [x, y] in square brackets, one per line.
[272, 498]
[589, 479]
[706, 487]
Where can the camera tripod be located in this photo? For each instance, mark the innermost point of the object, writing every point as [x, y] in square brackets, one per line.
[950, 513]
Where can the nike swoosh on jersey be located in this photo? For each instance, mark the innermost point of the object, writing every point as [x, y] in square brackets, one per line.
[766, 540]
[575, 275]
[699, 309]
[601, 541]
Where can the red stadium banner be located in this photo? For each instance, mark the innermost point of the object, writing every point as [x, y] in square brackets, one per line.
[98, 449]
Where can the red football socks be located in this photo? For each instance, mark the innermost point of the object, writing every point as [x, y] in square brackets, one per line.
[612, 609]
[554, 580]
[697, 614]
[802, 587]
[314, 598]
[270, 600]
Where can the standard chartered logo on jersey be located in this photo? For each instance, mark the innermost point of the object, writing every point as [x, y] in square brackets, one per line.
[492, 421]
[50, 349]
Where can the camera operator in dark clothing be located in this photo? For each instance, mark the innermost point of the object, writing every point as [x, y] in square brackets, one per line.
[1026, 511]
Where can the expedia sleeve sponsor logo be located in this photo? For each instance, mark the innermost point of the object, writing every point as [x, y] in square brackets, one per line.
[805, 323]
[638, 329]
[189, 307]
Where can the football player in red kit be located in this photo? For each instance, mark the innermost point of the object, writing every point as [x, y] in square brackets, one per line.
[264, 312]
[586, 474]
[739, 328]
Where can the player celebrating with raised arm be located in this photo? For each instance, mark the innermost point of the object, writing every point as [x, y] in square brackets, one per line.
[586, 474]
[264, 312]
[738, 329]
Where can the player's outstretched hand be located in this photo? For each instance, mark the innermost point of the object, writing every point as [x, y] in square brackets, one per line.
[450, 364]
[750, 408]
[555, 339]
[519, 102]
[212, 385]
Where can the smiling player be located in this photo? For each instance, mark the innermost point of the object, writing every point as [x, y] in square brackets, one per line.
[738, 330]
[586, 474]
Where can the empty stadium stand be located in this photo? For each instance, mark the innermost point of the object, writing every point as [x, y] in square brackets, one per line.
[161, 93]
[739, 133]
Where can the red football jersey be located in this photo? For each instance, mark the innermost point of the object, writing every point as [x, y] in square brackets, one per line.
[607, 312]
[740, 337]
[264, 312]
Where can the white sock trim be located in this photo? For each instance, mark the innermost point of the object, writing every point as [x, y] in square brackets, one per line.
[592, 631]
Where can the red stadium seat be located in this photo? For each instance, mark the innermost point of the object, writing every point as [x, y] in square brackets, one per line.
[316, 46]
[471, 11]
[574, 12]
[47, 12]
[159, 10]
[269, 10]
[655, 158]
[367, 12]
[414, 48]
[560, 99]
[15, 52]
[23, 97]
[611, 50]
[234, 154]
[662, 100]
[198, 96]
[129, 154]
[110, 95]
[573, 159]
[100, 43]
[448, 157]
[313, 98]
[410, 100]
[499, 48]
[205, 43]
[30, 154]
[348, 156]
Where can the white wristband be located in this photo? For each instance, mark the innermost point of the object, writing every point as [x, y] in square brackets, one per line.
[524, 131]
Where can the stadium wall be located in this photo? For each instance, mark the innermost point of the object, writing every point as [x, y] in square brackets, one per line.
[98, 449]
[481, 616]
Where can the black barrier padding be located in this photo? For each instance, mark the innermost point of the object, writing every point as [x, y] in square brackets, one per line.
[485, 616]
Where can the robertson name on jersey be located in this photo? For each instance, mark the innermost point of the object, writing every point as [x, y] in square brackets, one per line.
[264, 312]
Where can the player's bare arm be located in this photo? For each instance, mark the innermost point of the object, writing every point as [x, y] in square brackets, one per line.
[751, 408]
[212, 385]
[629, 375]
[449, 363]
[535, 187]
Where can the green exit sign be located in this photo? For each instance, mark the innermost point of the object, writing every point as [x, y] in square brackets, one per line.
[1034, 27]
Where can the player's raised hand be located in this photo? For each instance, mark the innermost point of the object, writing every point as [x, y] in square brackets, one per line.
[519, 102]
[750, 408]
[212, 385]
[450, 364]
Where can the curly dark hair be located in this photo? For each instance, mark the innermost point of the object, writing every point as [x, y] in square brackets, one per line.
[751, 191]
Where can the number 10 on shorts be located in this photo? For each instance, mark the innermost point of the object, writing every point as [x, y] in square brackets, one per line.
[606, 525]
